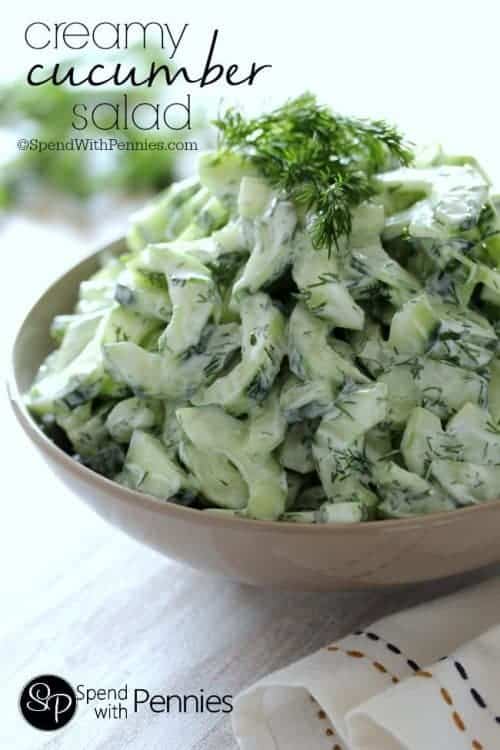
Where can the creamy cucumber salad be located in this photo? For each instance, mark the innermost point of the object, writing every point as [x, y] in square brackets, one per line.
[306, 330]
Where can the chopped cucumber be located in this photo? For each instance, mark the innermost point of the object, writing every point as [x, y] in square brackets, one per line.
[317, 275]
[145, 293]
[210, 429]
[306, 400]
[82, 378]
[193, 294]
[149, 468]
[164, 218]
[165, 376]
[221, 481]
[262, 350]
[310, 355]
[132, 414]
[222, 172]
[296, 451]
[338, 445]
[282, 342]
[342, 513]
[273, 248]
[406, 494]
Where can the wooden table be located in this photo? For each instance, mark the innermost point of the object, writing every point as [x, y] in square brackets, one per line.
[81, 600]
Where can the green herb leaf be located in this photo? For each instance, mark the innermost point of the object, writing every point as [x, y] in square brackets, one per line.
[323, 161]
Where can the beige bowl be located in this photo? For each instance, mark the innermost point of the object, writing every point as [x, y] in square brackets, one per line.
[263, 553]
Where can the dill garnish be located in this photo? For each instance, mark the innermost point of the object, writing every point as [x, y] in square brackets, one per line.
[323, 161]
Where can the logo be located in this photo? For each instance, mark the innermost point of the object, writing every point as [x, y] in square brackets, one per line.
[48, 702]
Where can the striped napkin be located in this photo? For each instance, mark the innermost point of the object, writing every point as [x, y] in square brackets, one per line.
[423, 679]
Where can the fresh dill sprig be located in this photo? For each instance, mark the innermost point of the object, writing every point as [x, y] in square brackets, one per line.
[323, 161]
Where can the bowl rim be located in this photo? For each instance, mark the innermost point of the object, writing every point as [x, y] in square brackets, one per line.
[90, 477]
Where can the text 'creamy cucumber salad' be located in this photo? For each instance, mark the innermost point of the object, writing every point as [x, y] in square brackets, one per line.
[305, 331]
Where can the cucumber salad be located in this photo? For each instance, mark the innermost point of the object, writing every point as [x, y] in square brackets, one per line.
[305, 331]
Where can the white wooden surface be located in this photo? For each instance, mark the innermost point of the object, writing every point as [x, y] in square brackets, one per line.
[81, 600]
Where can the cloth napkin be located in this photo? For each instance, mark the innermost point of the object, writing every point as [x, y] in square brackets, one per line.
[427, 678]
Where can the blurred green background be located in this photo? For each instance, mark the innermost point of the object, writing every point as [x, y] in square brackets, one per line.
[46, 113]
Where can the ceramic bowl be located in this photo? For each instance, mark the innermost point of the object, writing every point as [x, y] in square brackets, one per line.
[300, 556]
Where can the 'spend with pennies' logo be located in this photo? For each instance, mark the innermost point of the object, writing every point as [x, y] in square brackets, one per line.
[48, 702]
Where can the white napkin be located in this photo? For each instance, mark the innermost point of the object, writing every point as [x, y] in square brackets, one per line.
[406, 683]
